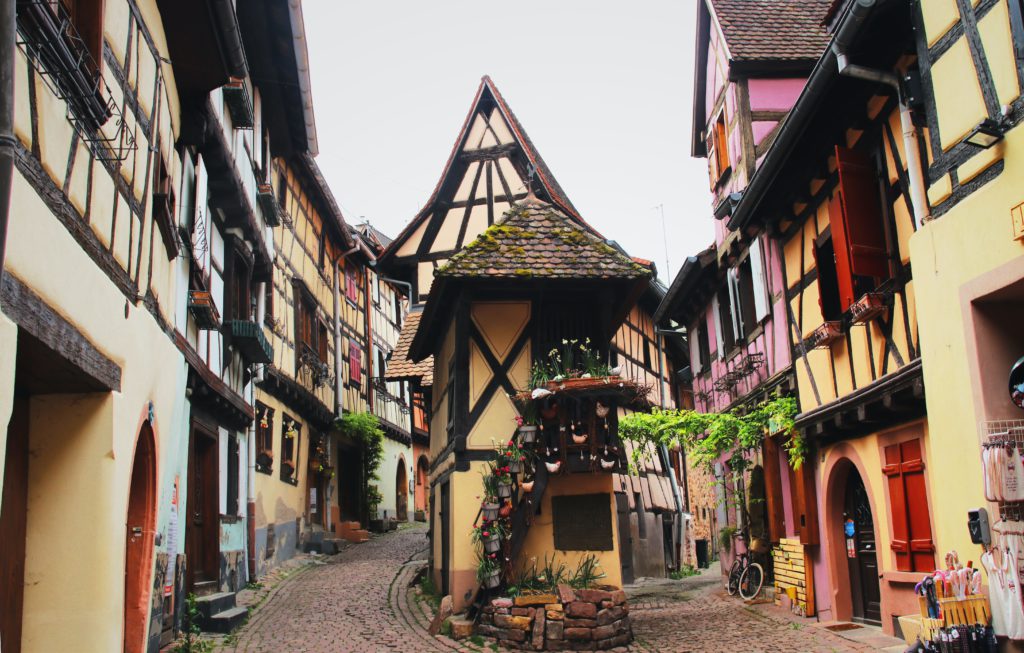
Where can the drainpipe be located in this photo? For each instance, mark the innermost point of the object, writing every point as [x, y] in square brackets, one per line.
[338, 403]
[8, 28]
[667, 460]
[915, 172]
[250, 476]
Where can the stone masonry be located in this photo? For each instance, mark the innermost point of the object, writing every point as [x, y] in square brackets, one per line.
[573, 620]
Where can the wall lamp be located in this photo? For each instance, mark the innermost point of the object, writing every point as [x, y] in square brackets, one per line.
[987, 133]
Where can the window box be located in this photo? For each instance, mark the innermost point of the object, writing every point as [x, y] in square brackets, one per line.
[268, 204]
[248, 338]
[825, 335]
[265, 461]
[200, 304]
[869, 306]
[236, 97]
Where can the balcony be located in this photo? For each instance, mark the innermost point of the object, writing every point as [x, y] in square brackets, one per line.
[236, 98]
[248, 338]
[203, 310]
[268, 204]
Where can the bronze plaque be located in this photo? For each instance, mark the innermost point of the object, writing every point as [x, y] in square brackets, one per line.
[582, 522]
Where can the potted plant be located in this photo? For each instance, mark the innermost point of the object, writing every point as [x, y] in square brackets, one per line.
[491, 504]
[504, 487]
[265, 459]
[488, 571]
[526, 423]
[490, 534]
[288, 468]
[512, 457]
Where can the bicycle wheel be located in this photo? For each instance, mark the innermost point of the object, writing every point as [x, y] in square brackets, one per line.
[735, 573]
[751, 581]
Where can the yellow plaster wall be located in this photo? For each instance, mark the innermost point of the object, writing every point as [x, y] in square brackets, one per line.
[276, 500]
[541, 539]
[439, 412]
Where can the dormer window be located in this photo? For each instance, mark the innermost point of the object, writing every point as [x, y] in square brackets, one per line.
[718, 149]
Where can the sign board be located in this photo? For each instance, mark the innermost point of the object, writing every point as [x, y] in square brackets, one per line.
[582, 522]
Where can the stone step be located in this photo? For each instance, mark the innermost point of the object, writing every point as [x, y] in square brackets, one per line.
[346, 526]
[226, 621]
[205, 588]
[212, 604]
[356, 536]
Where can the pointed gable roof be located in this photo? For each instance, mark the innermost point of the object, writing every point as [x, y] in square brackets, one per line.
[545, 185]
[773, 30]
[536, 240]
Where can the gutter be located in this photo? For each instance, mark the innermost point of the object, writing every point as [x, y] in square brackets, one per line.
[8, 29]
[825, 72]
[302, 65]
[234, 52]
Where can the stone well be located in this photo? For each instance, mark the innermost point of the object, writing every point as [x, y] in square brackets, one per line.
[576, 620]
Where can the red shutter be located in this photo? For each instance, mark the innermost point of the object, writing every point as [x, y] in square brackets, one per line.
[840, 247]
[351, 287]
[805, 503]
[355, 363]
[908, 501]
[857, 230]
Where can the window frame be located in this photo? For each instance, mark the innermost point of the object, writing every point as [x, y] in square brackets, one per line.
[292, 446]
[265, 437]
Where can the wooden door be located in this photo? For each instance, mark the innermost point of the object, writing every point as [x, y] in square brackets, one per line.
[140, 530]
[402, 492]
[202, 523]
[862, 557]
[13, 514]
[625, 537]
[446, 509]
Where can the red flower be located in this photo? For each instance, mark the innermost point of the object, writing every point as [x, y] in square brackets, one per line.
[522, 458]
[510, 443]
[487, 534]
[505, 469]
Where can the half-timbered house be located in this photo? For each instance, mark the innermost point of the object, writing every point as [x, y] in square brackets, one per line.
[752, 62]
[493, 165]
[840, 192]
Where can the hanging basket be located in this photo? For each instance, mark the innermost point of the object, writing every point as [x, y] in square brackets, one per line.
[493, 580]
[492, 544]
[489, 511]
[515, 466]
[504, 490]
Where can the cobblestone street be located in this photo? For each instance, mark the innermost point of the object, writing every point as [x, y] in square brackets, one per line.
[360, 600]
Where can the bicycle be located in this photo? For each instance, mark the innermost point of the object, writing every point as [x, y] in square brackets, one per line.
[746, 576]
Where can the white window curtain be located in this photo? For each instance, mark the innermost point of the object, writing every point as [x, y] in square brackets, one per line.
[762, 303]
[719, 345]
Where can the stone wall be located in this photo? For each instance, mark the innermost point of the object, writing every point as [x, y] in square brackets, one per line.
[573, 620]
[701, 487]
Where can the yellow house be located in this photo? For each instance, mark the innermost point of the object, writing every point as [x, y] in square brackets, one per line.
[527, 283]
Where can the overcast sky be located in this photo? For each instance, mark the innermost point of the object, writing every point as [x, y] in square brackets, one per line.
[602, 88]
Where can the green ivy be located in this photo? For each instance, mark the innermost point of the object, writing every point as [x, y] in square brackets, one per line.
[706, 437]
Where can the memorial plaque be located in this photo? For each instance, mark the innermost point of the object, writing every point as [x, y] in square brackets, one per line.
[582, 522]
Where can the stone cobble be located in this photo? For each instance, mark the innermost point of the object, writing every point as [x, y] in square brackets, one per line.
[362, 600]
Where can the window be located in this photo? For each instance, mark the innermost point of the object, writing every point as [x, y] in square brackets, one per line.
[382, 363]
[240, 305]
[355, 363]
[305, 321]
[828, 283]
[351, 284]
[264, 438]
[741, 294]
[647, 353]
[858, 229]
[908, 502]
[282, 190]
[724, 327]
[268, 302]
[398, 309]
[759, 278]
[718, 149]
[322, 340]
[163, 203]
[291, 432]
[232, 498]
[703, 354]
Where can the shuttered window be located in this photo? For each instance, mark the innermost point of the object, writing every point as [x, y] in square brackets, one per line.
[355, 363]
[351, 284]
[805, 504]
[858, 229]
[759, 279]
[718, 149]
[908, 502]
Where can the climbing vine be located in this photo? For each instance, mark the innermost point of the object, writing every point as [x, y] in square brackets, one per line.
[365, 429]
[706, 437]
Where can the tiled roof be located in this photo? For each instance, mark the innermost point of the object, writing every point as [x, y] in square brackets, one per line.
[773, 30]
[400, 368]
[538, 240]
[368, 230]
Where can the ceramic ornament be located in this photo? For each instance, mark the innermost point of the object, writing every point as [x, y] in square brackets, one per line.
[615, 371]
[540, 393]
[601, 410]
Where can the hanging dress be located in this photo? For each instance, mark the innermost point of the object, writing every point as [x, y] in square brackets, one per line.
[1013, 475]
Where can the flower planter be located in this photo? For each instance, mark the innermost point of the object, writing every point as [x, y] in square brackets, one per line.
[490, 511]
[528, 433]
[493, 580]
[265, 459]
[515, 466]
[288, 468]
[504, 490]
[492, 544]
[582, 383]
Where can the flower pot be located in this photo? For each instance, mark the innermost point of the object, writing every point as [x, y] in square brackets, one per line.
[515, 466]
[490, 511]
[528, 433]
[527, 486]
[554, 467]
[492, 545]
[493, 580]
[288, 468]
[504, 490]
[579, 439]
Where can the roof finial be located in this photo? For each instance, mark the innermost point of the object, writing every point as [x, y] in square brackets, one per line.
[531, 172]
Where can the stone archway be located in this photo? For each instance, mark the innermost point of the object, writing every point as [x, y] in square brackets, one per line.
[402, 491]
[140, 531]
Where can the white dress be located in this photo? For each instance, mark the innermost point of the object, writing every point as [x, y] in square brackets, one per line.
[1011, 567]
[998, 595]
[1013, 478]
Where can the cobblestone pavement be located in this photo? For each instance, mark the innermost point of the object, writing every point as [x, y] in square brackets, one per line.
[696, 614]
[361, 600]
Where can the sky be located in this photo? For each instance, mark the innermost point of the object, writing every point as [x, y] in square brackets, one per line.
[602, 88]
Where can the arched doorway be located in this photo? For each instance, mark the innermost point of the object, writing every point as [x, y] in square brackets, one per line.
[140, 529]
[422, 474]
[861, 554]
[402, 491]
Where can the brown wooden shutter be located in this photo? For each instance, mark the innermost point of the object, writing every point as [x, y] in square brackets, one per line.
[355, 363]
[87, 16]
[805, 503]
[908, 501]
[857, 228]
[773, 491]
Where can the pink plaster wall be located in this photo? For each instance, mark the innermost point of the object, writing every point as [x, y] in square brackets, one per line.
[774, 94]
[762, 128]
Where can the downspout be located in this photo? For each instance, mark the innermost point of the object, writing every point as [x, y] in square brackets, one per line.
[667, 460]
[8, 29]
[250, 476]
[915, 172]
[338, 399]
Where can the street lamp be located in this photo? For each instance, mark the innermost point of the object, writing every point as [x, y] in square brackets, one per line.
[987, 133]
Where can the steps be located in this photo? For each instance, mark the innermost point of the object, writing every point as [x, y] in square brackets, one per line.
[351, 531]
[218, 612]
